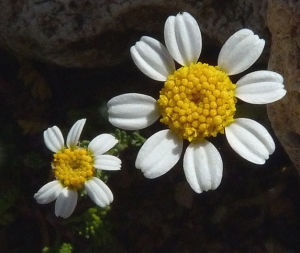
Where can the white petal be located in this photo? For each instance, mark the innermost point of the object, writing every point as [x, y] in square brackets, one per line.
[98, 192]
[132, 111]
[54, 139]
[260, 87]
[152, 58]
[231, 43]
[203, 166]
[48, 192]
[261, 76]
[66, 203]
[107, 162]
[102, 143]
[183, 38]
[250, 140]
[159, 154]
[240, 51]
[74, 133]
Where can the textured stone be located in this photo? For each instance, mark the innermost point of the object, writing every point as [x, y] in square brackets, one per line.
[95, 33]
[284, 24]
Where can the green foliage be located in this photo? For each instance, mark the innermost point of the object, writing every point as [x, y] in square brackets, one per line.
[64, 248]
[93, 225]
[126, 140]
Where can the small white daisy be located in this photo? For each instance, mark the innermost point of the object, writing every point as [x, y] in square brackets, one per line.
[197, 101]
[74, 167]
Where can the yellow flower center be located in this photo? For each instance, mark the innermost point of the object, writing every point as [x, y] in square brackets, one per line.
[197, 101]
[73, 167]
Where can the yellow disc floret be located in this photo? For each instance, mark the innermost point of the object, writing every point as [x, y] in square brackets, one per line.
[73, 167]
[197, 101]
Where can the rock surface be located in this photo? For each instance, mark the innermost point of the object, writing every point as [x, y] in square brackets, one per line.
[98, 33]
[284, 24]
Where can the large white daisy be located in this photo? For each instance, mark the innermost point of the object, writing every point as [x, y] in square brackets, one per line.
[74, 167]
[197, 101]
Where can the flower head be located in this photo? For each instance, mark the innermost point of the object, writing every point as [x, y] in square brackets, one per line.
[74, 168]
[197, 101]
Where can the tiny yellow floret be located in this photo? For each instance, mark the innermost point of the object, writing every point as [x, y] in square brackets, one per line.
[197, 101]
[73, 167]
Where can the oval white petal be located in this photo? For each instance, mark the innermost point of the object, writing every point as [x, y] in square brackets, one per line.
[66, 203]
[152, 58]
[261, 76]
[240, 51]
[260, 87]
[231, 43]
[159, 154]
[48, 192]
[203, 166]
[102, 143]
[132, 111]
[183, 38]
[107, 162]
[74, 133]
[98, 192]
[54, 139]
[250, 140]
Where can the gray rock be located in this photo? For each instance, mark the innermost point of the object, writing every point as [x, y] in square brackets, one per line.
[284, 25]
[97, 33]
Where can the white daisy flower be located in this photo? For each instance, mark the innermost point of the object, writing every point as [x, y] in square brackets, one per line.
[197, 101]
[74, 168]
